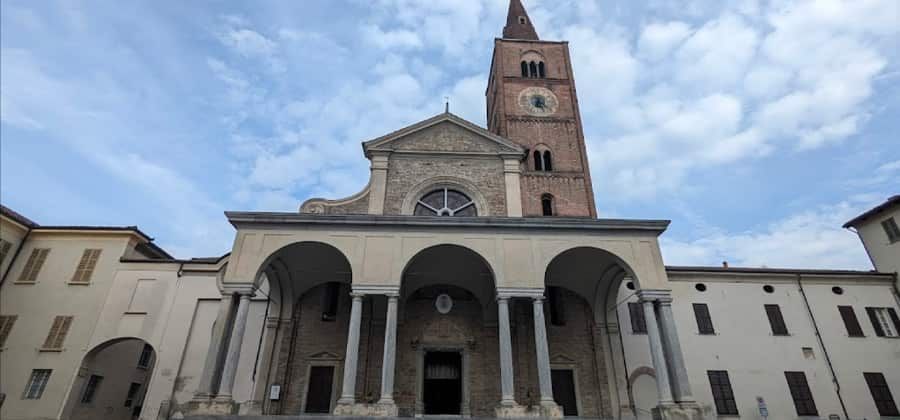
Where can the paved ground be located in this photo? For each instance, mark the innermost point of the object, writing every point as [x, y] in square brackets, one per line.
[343, 418]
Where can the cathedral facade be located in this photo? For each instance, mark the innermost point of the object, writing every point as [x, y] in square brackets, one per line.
[471, 277]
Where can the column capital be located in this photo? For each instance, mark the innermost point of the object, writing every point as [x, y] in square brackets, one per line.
[524, 292]
[241, 290]
[357, 295]
[651, 295]
[385, 290]
[538, 300]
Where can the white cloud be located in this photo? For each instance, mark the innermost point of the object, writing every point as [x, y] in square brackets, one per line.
[399, 38]
[657, 40]
[812, 238]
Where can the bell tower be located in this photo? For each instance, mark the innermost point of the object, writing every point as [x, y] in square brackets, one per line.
[531, 100]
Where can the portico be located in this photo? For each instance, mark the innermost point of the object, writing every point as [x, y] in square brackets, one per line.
[416, 293]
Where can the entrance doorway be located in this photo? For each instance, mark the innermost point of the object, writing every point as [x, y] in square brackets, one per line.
[564, 390]
[318, 391]
[443, 383]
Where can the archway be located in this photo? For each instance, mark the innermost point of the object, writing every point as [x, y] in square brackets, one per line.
[308, 287]
[448, 317]
[582, 284]
[112, 381]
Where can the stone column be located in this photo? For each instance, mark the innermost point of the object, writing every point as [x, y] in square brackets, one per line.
[348, 392]
[206, 388]
[390, 351]
[542, 352]
[506, 363]
[656, 352]
[234, 347]
[681, 386]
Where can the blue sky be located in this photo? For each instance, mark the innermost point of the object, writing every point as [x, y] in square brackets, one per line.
[757, 127]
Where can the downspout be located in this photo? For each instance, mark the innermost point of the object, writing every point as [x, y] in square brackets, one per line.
[837, 384]
[15, 255]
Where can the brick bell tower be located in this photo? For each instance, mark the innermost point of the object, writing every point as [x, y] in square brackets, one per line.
[531, 100]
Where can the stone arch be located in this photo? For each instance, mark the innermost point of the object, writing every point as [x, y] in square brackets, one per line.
[466, 187]
[124, 366]
[641, 370]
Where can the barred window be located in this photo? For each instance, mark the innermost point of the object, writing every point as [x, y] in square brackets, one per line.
[35, 387]
[803, 399]
[881, 394]
[722, 392]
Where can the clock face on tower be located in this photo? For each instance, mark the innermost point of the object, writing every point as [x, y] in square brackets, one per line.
[538, 101]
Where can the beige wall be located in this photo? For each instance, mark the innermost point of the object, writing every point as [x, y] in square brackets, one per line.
[13, 233]
[118, 365]
[756, 360]
[884, 254]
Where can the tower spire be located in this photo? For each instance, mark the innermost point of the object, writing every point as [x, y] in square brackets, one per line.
[518, 24]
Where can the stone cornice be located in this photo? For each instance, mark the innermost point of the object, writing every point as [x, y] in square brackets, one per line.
[270, 219]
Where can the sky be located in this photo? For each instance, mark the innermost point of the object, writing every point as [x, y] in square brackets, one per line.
[757, 127]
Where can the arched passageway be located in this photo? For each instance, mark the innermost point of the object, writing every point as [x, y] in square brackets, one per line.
[112, 381]
[448, 320]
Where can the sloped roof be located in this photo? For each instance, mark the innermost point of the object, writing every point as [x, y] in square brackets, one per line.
[381, 142]
[892, 201]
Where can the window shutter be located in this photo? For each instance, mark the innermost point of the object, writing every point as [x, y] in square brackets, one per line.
[801, 394]
[881, 394]
[638, 323]
[58, 332]
[875, 323]
[776, 320]
[86, 266]
[850, 321]
[4, 250]
[704, 320]
[33, 265]
[895, 319]
[6, 324]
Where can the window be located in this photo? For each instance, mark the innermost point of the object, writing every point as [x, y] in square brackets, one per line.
[146, 357]
[541, 73]
[548, 163]
[330, 301]
[885, 321]
[524, 69]
[557, 309]
[638, 323]
[532, 69]
[704, 321]
[547, 205]
[6, 324]
[37, 383]
[803, 399]
[58, 332]
[33, 265]
[881, 394]
[776, 321]
[132, 392]
[86, 266]
[722, 393]
[445, 202]
[5, 246]
[538, 161]
[522, 20]
[891, 229]
[91, 389]
[850, 321]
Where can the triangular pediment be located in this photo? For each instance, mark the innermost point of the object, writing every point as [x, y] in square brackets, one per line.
[324, 355]
[444, 133]
[561, 359]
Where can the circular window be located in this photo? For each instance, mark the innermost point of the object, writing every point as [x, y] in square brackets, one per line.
[700, 287]
[445, 202]
[630, 285]
[837, 290]
[769, 289]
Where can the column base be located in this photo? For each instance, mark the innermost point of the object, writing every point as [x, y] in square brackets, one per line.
[544, 410]
[380, 409]
[677, 411]
[211, 406]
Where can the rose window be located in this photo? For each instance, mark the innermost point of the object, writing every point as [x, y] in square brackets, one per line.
[445, 202]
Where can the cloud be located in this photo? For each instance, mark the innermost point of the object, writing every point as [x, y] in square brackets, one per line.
[811, 238]
[657, 40]
[391, 39]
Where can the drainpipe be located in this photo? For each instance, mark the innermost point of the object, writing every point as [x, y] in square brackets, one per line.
[834, 379]
[15, 255]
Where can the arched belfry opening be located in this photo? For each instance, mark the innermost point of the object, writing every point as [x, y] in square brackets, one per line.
[308, 287]
[448, 318]
[112, 381]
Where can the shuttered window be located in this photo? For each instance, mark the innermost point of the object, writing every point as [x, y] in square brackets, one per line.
[6, 324]
[881, 394]
[33, 265]
[638, 323]
[86, 266]
[58, 332]
[803, 399]
[776, 320]
[850, 321]
[35, 387]
[704, 321]
[884, 321]
[722, 393]
[891, 229]
[5, 246]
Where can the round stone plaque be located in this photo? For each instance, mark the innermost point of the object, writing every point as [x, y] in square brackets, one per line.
[443, 303]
